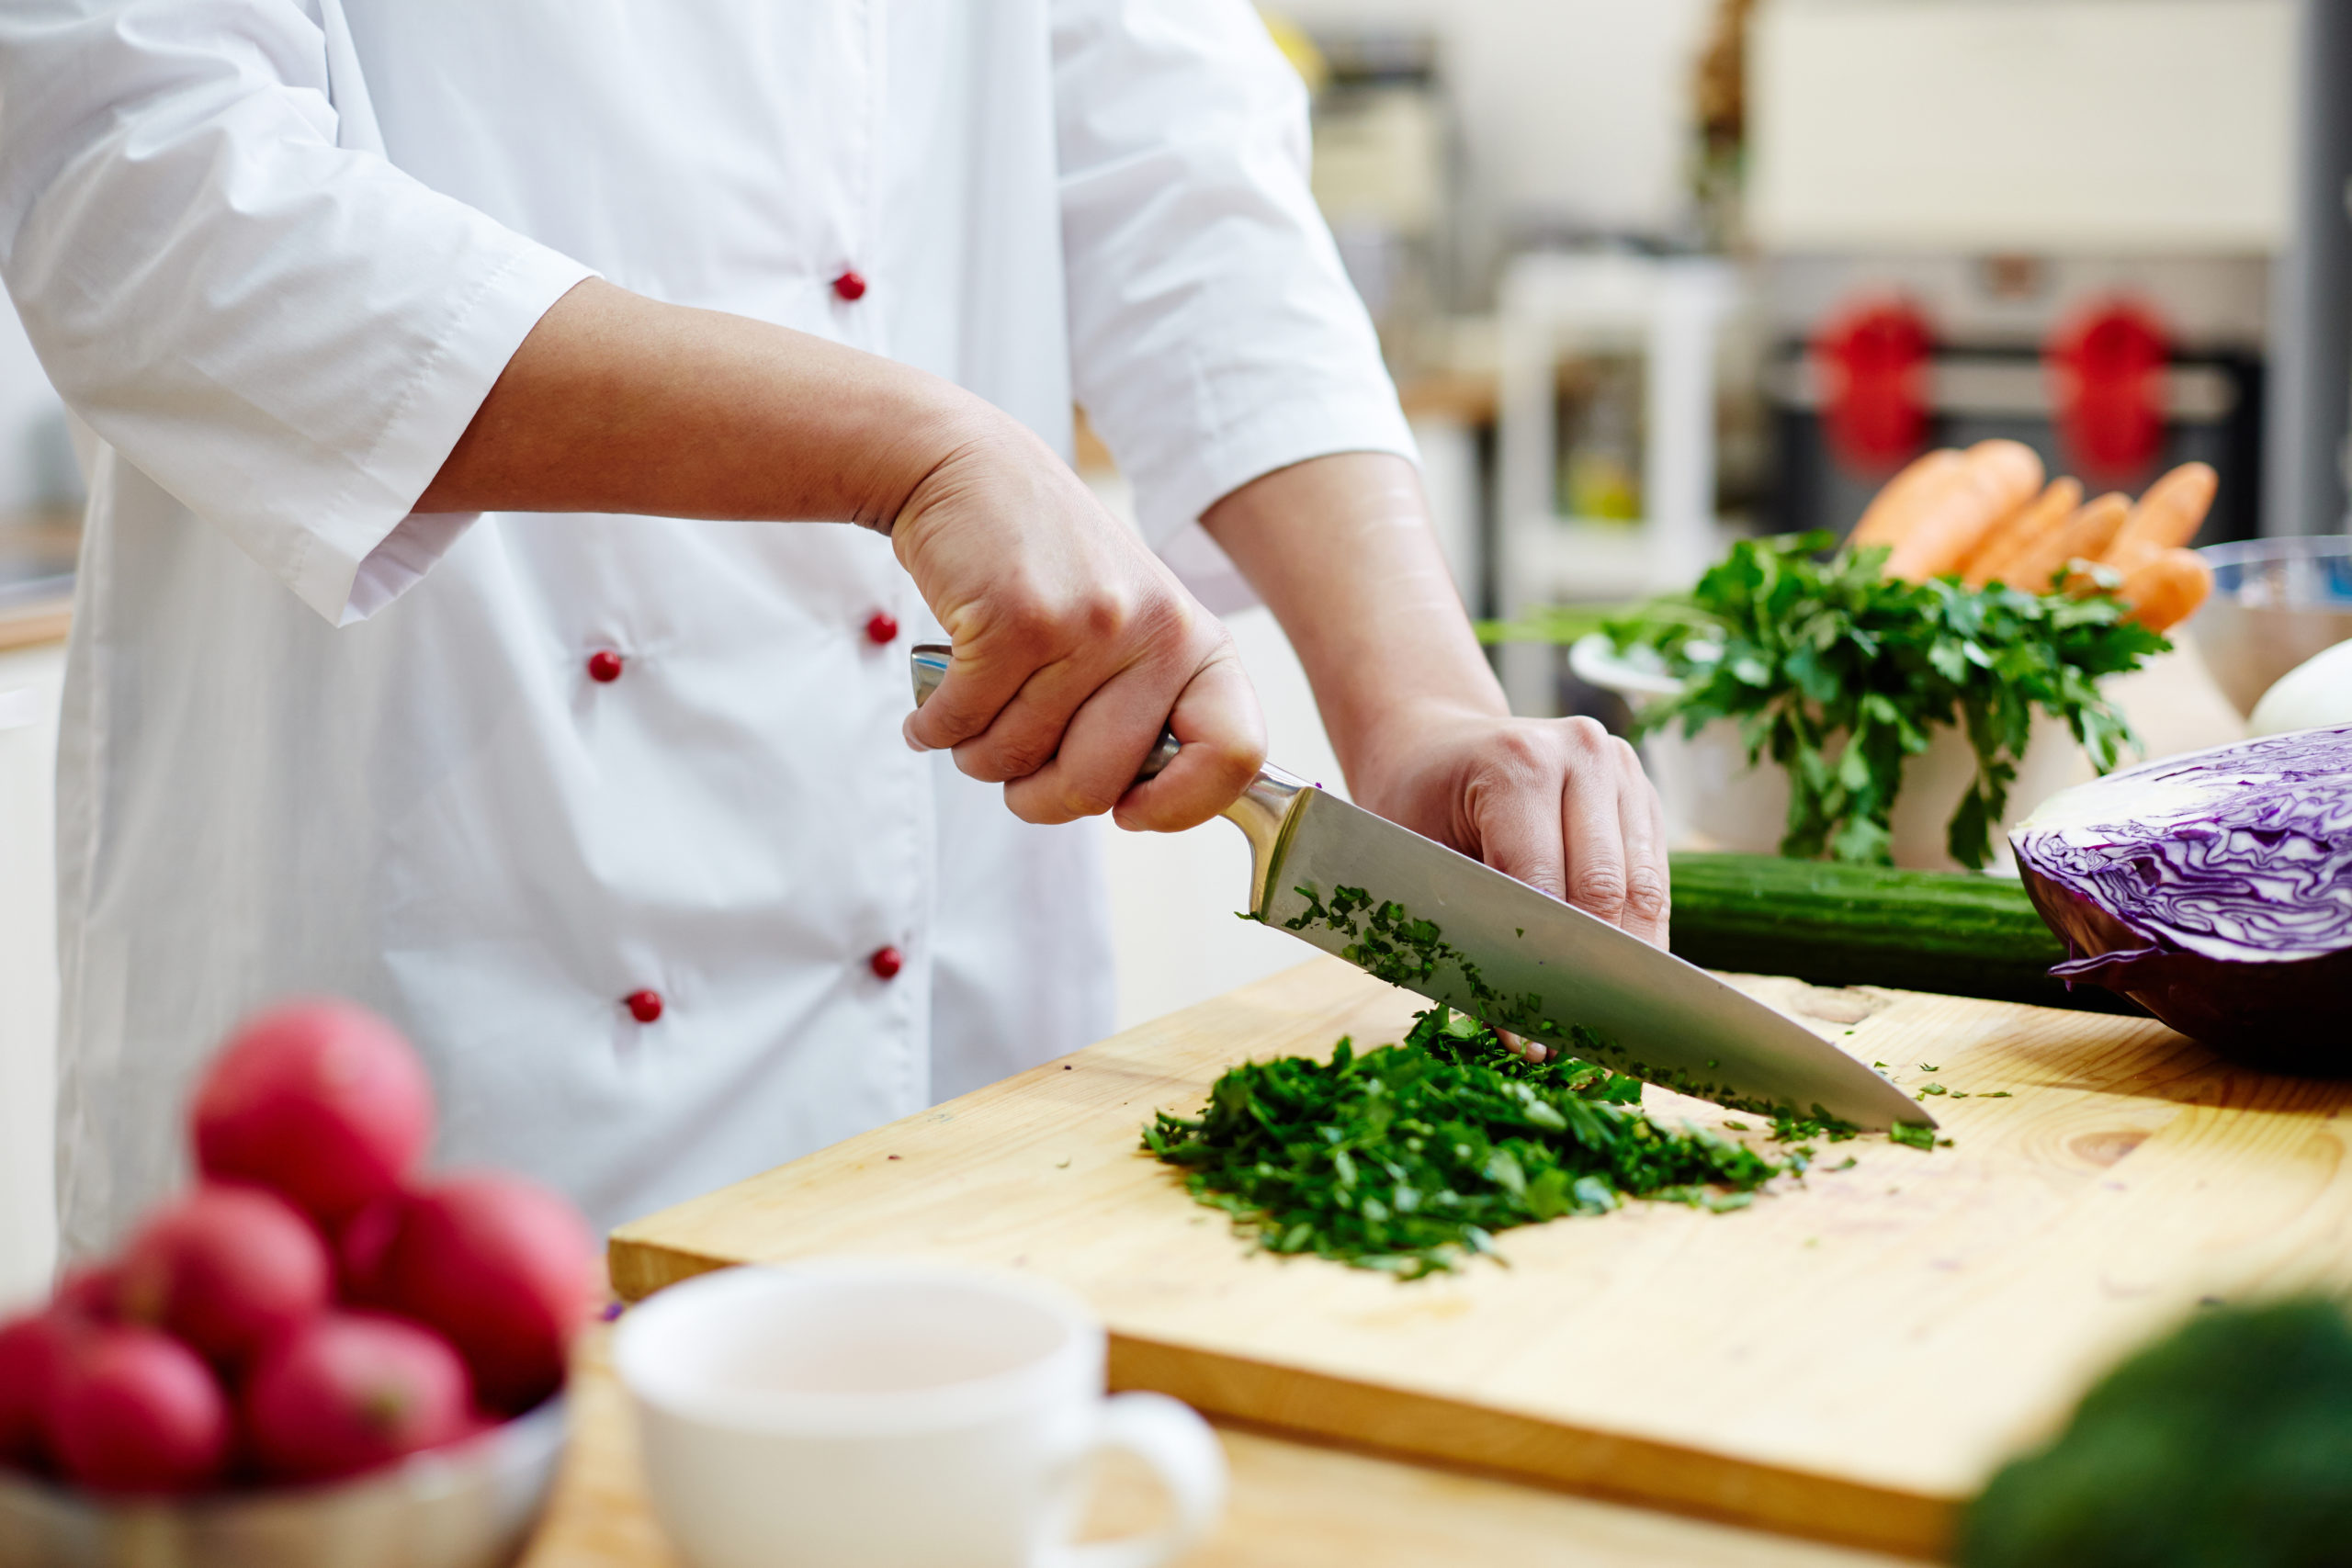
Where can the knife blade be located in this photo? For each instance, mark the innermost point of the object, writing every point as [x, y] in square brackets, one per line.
[1514, 957]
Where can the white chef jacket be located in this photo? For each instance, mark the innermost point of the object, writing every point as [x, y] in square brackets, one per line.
[275, 253]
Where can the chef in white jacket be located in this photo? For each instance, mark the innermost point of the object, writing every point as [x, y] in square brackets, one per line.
[465, 623]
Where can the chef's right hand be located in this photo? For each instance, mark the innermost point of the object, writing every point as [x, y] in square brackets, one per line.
[1074, 646]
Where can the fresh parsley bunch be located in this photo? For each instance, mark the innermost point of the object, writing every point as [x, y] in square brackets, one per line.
[1410, 1158]
[1840, 675]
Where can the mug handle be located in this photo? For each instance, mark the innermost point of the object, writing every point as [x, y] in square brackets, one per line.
[1183, 1452]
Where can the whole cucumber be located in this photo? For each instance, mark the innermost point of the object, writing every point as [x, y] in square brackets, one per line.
[1961, 933]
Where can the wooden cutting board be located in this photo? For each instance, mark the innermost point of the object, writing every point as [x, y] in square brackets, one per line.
[1848, 1359]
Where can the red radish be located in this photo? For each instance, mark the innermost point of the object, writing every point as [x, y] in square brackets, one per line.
[506, 1269]
[363, 1247]
[35, 1351]
[321, 1100]
[90, 1292]
[137, 1411]
[228, 1269]
[350, 1390]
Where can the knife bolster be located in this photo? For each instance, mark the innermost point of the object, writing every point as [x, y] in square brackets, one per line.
[1262, 813]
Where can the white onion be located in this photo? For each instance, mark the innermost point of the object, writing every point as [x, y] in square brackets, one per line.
[2315, 693]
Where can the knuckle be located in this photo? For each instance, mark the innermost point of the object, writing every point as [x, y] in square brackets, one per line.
[973, 767]
[1647, 892]
[1018, 760]
[1586, 736]
[1518, 753]
[1105, 614]
[1032, 811]
[1042, 633]
[1004, 758]
[1487, 791]
[1159, 625]
[1024, 608]
[1088, 798]
[948, 732]
[1601, 887]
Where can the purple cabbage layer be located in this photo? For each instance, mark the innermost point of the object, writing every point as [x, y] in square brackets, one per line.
[2255, 865]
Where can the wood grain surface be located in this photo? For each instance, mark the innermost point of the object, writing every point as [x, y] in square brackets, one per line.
[1294, 1504]
[1847, 1359]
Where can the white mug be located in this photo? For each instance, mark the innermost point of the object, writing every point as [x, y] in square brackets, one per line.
[865, 1412]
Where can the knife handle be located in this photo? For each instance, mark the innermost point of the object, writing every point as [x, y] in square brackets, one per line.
[929, 662]
[1260, 813]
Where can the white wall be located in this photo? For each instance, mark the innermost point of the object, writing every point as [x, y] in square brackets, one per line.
[1569, 109]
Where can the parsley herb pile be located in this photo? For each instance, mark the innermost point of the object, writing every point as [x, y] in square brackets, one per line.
[1804, 652]
[1409, 1158]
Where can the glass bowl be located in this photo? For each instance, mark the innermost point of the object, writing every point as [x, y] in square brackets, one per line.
[2275, 603]
[470, 1505]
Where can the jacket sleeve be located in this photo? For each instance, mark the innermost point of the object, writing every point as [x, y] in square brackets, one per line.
[1213, 332]
[226, 279]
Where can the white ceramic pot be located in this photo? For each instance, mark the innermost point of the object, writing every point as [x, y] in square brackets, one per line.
[1714, 800]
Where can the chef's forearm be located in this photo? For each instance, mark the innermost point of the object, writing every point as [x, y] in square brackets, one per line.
[1342, 550]
[615, 403]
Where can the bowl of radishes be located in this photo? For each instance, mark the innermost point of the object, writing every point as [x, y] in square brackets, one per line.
[319, 1354]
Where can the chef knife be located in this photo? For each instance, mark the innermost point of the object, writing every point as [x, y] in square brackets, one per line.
[1517, 959]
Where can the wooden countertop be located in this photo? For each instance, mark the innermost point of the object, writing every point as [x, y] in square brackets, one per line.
[1849, 1358]
[1295, 1505]
[36, 545]
[31, 625]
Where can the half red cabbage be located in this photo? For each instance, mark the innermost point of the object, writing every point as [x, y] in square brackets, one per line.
[2214, 889]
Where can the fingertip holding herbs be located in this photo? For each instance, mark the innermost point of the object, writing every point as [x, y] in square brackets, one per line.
[1409, 1158]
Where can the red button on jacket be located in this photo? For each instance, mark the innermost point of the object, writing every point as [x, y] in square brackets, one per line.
[886, 963]
[604, 665]
[849, 285]
[882, 627]
[643, 1006]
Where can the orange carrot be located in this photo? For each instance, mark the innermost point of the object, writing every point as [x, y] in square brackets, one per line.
[2084, 535]
[2024, 530]
[2167, 587]
[2168, 517]
[1891, 512]
[1999, 477]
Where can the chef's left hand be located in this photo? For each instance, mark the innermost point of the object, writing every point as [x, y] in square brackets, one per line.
[1340, 547]
[1558, 803]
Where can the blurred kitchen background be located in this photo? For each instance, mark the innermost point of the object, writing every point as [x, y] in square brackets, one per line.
[1651, 274]
[1651, 277]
